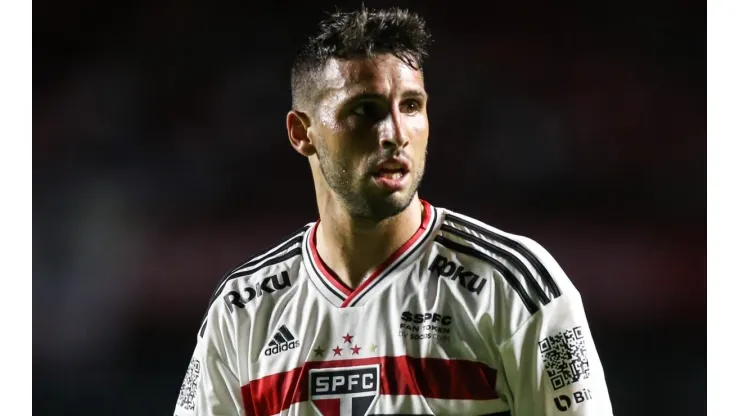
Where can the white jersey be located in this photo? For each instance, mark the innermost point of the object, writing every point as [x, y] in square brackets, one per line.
[462, 319]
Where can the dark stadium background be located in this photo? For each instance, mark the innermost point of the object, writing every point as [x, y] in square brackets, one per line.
[161, 160]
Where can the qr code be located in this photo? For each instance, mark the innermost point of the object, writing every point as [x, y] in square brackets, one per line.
[186, 400]
[565, 357]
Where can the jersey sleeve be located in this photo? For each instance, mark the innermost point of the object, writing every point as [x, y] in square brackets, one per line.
[212, 386]
[550, 363]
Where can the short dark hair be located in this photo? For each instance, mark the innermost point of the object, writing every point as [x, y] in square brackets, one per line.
[358, 34]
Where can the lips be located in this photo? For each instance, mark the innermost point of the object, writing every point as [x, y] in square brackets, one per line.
[392, 169]
[392, 174]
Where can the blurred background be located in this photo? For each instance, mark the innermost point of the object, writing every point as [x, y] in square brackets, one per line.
[160, 160]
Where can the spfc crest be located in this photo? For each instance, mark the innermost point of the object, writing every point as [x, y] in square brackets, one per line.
[344, 390]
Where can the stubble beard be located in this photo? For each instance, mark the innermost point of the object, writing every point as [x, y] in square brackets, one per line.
[363, 203]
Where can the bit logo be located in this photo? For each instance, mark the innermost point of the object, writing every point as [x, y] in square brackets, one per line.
[469, 280]
[564, 402]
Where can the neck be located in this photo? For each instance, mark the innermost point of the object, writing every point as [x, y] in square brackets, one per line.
[353, 247]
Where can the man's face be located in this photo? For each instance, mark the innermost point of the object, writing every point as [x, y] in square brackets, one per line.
[371, 134]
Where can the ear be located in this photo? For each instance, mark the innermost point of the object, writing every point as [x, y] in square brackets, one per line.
[298, 124]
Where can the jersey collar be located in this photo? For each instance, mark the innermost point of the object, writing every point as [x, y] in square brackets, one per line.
[342, 296]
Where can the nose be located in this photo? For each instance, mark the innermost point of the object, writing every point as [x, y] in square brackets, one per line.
[392, 132]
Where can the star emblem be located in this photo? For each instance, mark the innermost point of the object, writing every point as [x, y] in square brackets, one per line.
[319, 352]
[373, 347]
[337, 351]
[355, 350]
[348, 338]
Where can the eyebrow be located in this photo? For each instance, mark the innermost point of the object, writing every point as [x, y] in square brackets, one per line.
[415, 94]
[410, 93]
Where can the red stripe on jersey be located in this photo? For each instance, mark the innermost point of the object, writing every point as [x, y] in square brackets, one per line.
[429, 377]
[323, 268]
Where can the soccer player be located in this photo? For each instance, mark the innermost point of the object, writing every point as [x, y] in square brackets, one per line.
[387, 304]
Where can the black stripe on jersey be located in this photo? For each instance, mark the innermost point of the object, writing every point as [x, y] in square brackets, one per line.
[515, 245]
[505, 272]
[419, 244]
[272, 261]
[287, 241]
[329, 287]
[503, 253]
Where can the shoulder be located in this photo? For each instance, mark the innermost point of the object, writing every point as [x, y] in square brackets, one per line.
[523, 265]
[272, 271]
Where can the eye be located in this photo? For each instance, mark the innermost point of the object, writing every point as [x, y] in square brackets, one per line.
[361, 110]
[411, 106]
[369, 110]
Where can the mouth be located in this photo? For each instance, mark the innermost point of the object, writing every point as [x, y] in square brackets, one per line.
[391, 174]
[392, 169]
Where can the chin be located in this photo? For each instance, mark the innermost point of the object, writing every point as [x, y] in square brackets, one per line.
[381, 208]
[377, 205]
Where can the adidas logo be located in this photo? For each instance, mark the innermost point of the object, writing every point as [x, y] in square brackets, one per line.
[283, 340]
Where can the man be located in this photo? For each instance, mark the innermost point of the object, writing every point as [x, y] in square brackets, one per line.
[386, 304]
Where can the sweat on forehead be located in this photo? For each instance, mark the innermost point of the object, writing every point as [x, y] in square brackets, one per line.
[376, 74]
